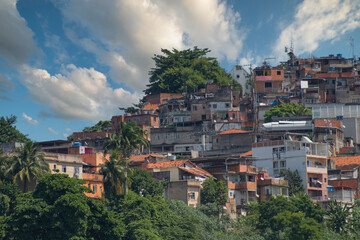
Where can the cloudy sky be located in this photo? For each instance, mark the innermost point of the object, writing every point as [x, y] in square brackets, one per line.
[66, 64]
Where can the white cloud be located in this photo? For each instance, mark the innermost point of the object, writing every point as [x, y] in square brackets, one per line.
[131, 31]
[65, 135]
[16, 42]
[30, 120]
[68, 130]
[53, 131]
[76, 93]
[317, 21]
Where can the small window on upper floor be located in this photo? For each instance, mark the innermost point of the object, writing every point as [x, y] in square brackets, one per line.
[192, 195]
[214, 105]
[227, 105]
[64, 169]
[278, 72]
[95, 188]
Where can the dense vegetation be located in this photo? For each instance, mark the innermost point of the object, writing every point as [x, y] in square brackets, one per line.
[287, 110]
[8, 132]
[185, 71]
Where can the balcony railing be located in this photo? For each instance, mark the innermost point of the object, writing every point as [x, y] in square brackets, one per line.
[92, 177]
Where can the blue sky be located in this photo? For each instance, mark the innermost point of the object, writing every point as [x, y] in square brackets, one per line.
[66, 64]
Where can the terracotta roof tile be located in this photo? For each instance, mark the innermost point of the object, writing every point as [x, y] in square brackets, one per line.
[150, 106]
[348, 162]
[233, 131]
[175, 163]
[141, 158]
[196, 171]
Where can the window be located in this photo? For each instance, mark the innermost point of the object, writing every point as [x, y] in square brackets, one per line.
[227, 105]
[233, 115]
[214, 105]
[64, 169]
[231, 194]
[278, 72]
[138, 120]
[89, 186]
[333, 81]
[238, 76]
[95, 188]
[282, 164]
[275, 164]
[101, 189]
[54, 166]
[203, 117]
[324, 179]
[76, 169]
[268, 84]
[192, 195]
[155, 119]
[195, 108]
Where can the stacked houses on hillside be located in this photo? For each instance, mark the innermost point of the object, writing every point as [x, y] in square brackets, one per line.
[223, 132]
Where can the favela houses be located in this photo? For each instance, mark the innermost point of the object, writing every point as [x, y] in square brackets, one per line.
[134, 119]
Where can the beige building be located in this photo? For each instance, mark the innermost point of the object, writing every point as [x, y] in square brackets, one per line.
[184, 179]
[65, 163]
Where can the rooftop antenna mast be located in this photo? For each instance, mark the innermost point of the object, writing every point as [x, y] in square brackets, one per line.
[352, 46]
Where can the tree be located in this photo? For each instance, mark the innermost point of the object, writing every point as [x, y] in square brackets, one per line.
[114, 171]
[287, 110]
[294, 181]
[101, 126]
[185, 71]
[8, 132]
[29, 165]
[144, 184]
[214, 191]
[131, 138]
[338, 215]
[59, 209]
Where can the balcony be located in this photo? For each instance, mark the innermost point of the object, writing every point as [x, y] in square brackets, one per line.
[93, 177]
[243, 185]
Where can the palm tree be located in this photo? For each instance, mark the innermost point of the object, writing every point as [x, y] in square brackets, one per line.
[28, 166]
[115, 175]
[131, 138]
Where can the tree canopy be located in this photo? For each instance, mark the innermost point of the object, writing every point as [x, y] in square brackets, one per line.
[9, 133]
[294, 181]
[214, 191]
[101, 126]
[287, 110]
[185, 71]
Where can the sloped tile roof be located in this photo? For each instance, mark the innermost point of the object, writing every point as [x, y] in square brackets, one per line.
[348, 162]
[233, 131]
[141, 158]
[175, 163]
[196, 171]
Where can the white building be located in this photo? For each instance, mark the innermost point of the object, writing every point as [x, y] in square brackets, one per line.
[308, 158]
[242, 76]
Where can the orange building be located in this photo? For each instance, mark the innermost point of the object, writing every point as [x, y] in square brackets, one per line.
[91, 173]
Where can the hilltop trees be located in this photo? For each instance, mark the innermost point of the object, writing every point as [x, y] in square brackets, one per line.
[8, 132]
[286, 110]
[185, 71]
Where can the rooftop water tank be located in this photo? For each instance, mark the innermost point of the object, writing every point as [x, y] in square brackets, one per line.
[77, 144]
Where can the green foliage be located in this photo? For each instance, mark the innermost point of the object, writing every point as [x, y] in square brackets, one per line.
[338, 216]
[131, 138]
[294, 181]
[9, 133]
[282, 218]
[52, 186]
[115, 172]
[59, 209]
[144, 184]
[286, 110]
[101, 126]
[28, 166]
[185, 71]
[4, 204]
[214, 191]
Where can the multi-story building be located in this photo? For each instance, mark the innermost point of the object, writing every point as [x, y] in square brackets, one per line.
[345, 177]
[268, 187]
[69, 164]
[308, 158]
[241, 76]
[184, 179]
[91, 173]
